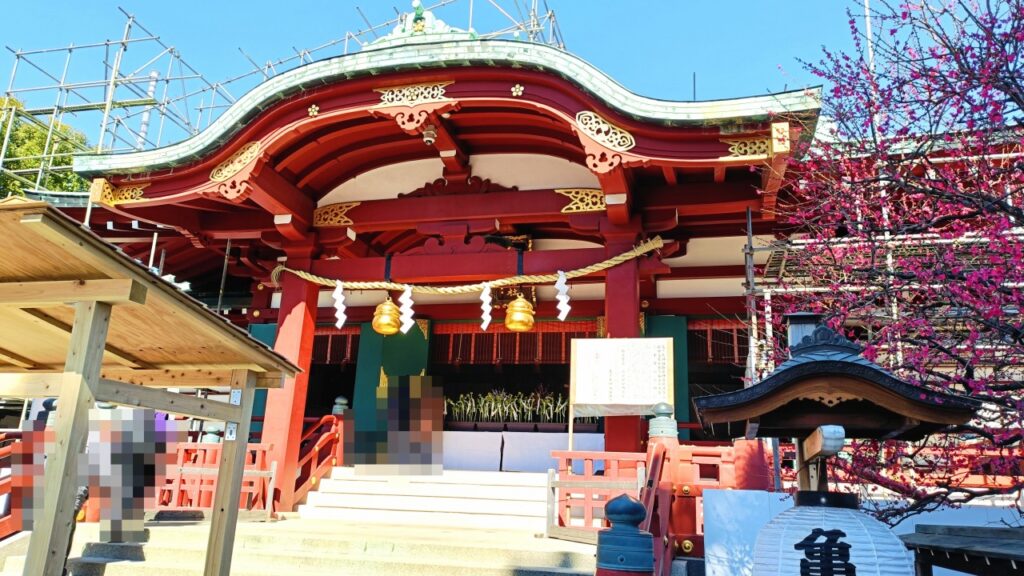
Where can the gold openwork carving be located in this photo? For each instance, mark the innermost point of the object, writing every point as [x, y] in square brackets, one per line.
[743, 147]
[583, 200]
[233, 165]
[413, 94]
[333, 215]
[604, 132]
[103, 192]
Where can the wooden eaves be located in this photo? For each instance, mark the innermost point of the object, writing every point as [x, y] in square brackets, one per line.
[82, 322]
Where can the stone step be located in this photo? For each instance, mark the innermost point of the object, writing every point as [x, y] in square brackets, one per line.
[350, 565]
[412, 518]
[355, 485]
[318, 548]
[320, 552]
[450, 477]
[497, 505]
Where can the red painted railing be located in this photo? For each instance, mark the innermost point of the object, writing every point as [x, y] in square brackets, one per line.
[321, 448]
[10, 522]
[192, 480]
[973, 468]
[689, 470]
[656, 496]
[576, 500]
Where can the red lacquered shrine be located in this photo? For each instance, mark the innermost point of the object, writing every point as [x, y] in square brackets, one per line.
[435, 158]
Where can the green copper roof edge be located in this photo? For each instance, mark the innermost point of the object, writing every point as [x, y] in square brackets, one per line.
[440, 55]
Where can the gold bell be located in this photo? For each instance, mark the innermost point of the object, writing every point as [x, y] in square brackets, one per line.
[385, 318]
[519, 315]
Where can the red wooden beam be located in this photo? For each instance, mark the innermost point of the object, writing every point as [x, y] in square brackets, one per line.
[441, 268]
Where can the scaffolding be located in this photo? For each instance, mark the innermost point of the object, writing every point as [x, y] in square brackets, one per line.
[102, 97]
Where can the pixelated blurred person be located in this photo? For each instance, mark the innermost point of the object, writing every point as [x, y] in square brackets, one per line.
[128, 452]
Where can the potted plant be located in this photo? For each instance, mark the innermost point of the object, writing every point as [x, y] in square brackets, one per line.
[460, 413]
[520, 413]
[552, 412]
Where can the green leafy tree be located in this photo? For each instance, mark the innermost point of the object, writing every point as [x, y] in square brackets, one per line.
[25, 146]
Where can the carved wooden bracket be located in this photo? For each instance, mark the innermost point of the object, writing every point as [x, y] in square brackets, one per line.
[101, 191]
[230, 178]
[601, 159]
[411, 106]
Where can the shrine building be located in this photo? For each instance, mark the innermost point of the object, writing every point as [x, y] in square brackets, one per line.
[433, 158]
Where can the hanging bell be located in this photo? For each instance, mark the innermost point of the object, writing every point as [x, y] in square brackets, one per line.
[519, 315]
[386, 318]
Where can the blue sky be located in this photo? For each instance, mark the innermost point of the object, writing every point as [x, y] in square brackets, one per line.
[652, 47]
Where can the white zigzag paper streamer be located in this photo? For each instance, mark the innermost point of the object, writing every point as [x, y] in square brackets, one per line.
[406, 307]
[563, 296]
[339, 304]
[485, 305]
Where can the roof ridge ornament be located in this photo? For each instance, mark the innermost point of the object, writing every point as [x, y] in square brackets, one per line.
[824, 337]
[420, 23]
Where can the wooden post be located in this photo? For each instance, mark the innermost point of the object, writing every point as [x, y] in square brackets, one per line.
[622, 314]
[229, 479]
[48, 547]
[286, 406]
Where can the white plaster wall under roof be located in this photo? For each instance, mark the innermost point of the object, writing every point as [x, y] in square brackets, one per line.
[718, 251]
[527, 171]
[700, 287]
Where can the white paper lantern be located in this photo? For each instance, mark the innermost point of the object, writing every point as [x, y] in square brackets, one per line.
[825, 531]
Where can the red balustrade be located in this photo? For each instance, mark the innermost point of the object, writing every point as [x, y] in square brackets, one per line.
[972, 468]
[322, 447]
[576, 500]
[192, 480]
[10, 521]
[656, 496]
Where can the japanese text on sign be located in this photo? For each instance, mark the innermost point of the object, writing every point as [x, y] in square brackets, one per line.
[620, 376]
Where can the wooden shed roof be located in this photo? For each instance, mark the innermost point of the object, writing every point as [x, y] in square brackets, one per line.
[163, 337]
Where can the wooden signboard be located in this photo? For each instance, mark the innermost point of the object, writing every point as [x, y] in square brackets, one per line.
[619, 377]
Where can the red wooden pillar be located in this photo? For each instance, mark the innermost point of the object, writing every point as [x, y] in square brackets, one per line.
[286, 406]
[622, 320]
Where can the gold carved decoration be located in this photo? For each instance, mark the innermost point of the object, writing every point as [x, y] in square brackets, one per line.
[424, 328]
[582, 200]
[233, 165]
[103, 192]
[744, 147]
[604, 132]
[413, 94]
[333, 215]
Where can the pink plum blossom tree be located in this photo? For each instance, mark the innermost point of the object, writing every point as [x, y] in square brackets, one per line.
[908, 217]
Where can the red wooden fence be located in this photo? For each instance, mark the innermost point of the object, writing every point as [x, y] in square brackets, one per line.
[576, 500]
[10, 522]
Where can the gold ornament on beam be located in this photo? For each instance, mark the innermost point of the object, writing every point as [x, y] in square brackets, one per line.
[519, 315]
[386, 318]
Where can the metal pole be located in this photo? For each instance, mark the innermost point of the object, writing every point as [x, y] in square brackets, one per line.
[140, 140]
[748, 261]
[112, 85]
[223, 275]
[53, 122]
[152, 250]
[163, 256]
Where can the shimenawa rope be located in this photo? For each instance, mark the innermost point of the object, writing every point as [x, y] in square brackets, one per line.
[637, 251]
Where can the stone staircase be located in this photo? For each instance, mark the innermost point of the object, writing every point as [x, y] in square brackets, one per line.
[461, 523]
[512, 500]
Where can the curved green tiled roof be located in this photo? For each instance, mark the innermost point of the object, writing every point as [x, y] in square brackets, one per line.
[443, 51]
